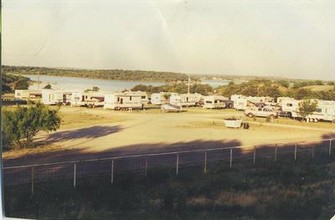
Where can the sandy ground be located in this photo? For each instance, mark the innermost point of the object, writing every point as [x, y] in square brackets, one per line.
[99, 130]
[92, 133]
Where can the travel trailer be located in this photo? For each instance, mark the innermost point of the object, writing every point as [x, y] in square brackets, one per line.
[217, 102]
[161, 98]
[125, 101]
[55, 97]
[88, 99]
[325, 110]
[28, 95]
[242, 102]
[189, 99]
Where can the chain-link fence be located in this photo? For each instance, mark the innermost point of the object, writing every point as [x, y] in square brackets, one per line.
[111, 166]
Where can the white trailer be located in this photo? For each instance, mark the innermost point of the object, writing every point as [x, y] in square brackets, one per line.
[189, 99]
[28, 95]
[325, 110]
[54, 97]
[124, 101]
[216, 102]
[88, 99]
[242, 102]
[161, 98]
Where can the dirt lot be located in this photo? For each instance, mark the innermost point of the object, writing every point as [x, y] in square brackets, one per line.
[98, 130]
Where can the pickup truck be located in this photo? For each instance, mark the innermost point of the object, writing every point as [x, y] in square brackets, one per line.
[266, 111]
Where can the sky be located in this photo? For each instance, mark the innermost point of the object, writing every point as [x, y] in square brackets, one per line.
[283, 38]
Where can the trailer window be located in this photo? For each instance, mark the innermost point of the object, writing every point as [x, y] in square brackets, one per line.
[319, 110]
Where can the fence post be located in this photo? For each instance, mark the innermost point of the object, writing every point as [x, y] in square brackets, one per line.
[313, 149]
[276, 153]
[205, 166]
[32, 179]
[231, 158]
[295, 151]
[146, 166]
[254, 160]
[330, 148]
[177, 164]
[112, 172]
[74, 175]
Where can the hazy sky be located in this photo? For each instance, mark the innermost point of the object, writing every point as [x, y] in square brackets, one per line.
[275, 38]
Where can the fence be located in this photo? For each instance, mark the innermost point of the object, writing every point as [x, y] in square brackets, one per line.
[74, 170]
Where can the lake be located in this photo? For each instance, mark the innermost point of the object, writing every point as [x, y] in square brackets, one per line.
[75, 83]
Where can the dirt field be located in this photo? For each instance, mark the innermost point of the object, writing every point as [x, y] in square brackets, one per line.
[97, 130]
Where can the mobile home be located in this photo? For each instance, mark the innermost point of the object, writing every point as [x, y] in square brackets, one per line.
[217, 102]
[54, 97]
[161, 98]
[125, 101]
[88, 99]
[26, 94]
[186, 99]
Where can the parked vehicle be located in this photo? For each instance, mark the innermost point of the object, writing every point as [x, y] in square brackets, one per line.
[28, 95]
[171, 108]
[266, 111]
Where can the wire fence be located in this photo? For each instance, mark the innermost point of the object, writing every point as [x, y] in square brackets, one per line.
[111, 166]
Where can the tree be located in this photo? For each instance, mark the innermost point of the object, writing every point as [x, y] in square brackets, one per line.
[307, 107]
[22, 124]
[47, 87]
[21, 84]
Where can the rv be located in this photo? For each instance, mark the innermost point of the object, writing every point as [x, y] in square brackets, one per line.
[28, 95]
[88, 99]
[125, 101]
[186, 99]
[243, 102]
[325, 110]
[55, 97]
[161, 98]
[217, 102]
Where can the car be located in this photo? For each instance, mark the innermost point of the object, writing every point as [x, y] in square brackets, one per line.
[171, 108]
[266, 111]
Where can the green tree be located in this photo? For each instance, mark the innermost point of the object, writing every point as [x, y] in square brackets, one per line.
[307, 107]
[47, 87]
[22, 124]
[21, 84]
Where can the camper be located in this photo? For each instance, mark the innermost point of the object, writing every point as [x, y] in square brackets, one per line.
[325, 110]
[189, 99]
[161, 98]
[217, 102]
[55, 97]
[88, 99]
[28, 95]
[125, 101]
[242, 102]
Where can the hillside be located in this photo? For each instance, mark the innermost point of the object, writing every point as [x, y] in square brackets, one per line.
[115, 74]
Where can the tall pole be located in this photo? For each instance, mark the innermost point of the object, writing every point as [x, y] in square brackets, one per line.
[188, 84]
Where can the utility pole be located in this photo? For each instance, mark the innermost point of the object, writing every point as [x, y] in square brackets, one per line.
[188, 84]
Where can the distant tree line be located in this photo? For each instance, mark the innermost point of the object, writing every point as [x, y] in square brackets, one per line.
[277, 89]
[115, 74]
[203, 89]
